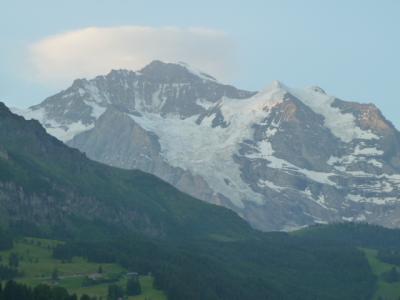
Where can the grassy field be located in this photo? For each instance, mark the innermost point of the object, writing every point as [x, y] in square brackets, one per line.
[386, 291]
[37, 266]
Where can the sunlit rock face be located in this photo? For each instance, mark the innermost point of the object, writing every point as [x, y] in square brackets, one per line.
[281, 158]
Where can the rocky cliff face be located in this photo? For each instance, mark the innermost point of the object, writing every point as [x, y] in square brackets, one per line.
[282, 158]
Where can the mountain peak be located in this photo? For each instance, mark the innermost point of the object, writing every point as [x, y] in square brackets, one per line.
[119, 72]
[196, 71]
[174, 72]
[317, 89]
[276, 85]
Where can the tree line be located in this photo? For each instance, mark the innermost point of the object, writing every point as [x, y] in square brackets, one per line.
[16, 291]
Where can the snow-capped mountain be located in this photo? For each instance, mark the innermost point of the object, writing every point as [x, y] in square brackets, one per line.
[281, 158]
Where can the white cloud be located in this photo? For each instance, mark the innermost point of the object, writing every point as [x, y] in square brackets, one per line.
[96, 50]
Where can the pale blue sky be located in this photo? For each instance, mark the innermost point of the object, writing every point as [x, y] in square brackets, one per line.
[349, 48]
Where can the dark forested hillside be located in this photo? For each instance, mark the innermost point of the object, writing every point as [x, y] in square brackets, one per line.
[353, 234]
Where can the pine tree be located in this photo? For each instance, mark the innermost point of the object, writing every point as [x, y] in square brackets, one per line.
[133, 287]
[54, 275]
[13, 260]
[114, 292]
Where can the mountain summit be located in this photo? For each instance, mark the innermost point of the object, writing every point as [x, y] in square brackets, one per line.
[282, 158]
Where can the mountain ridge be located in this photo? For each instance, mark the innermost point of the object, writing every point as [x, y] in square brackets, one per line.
[281, 158]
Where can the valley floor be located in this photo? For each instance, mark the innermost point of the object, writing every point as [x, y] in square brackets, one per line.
[38, 266]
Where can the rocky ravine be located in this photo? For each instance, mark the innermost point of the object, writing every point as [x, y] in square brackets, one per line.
[281, 158]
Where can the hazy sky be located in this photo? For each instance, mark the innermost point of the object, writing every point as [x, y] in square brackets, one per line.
[350, 48]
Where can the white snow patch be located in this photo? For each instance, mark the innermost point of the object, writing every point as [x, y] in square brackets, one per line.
[205, 104]
[373, 200]
[97, 110]
[264, 151]
[30, 114]
[308, 193]
[203, 150]
[321, 222]
[320, 200]
[290, 228]
[81, 92]
[375, 163]
[372, 151]
[270, 185]
[95, 94]
[208, 151]
[197, 72]
[359, 155]
[63, 132]
[386, 187]
[341, 125]
[361, 218]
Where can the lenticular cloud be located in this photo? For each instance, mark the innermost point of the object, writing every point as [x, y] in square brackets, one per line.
[92, 51]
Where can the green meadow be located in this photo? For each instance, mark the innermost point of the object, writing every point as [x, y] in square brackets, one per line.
[37, 266]
[385, 290]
